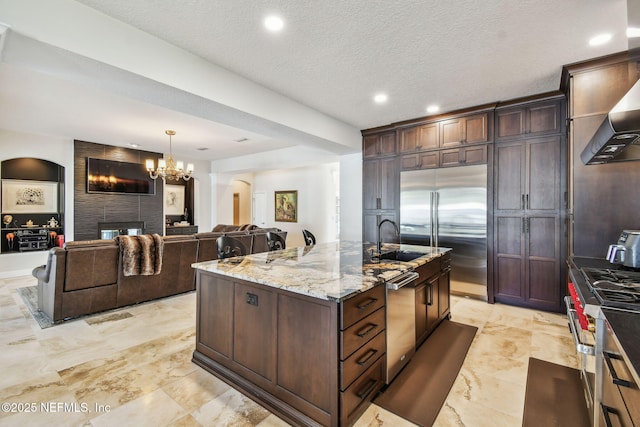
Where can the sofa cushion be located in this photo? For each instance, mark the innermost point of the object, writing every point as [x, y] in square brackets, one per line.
[91, 266]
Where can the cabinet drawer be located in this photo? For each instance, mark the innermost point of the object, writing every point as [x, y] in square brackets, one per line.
[362, 359]
[428, 270]
[361, 305]
[358, 334]
[613, 406]
[356, 398]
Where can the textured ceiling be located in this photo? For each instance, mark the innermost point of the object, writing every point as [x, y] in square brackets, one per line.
[333, 56]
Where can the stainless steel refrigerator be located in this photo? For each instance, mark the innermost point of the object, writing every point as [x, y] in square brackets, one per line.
[447, 207]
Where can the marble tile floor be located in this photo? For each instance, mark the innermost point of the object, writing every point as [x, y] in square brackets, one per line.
[133, 367]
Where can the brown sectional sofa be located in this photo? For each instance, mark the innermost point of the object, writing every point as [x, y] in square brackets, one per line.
[86, 276]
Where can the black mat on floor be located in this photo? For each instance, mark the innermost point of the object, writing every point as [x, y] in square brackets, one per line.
[554, 396]
[29, 295]
[419, 391]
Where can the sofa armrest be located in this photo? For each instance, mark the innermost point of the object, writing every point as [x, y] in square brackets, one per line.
[51, 282]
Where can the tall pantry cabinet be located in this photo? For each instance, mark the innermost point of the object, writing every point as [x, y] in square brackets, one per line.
[381, 181]
[529, 182]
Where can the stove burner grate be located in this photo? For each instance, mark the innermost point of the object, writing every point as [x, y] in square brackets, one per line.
[615, 288]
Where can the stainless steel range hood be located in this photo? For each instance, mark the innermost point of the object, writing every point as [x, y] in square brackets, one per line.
[618, 137]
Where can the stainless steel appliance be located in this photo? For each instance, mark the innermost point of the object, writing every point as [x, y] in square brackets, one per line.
[447, 207]
[401, 322]
[627, 250]
[595, 289]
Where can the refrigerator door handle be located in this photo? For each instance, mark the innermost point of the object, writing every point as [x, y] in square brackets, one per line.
[431, 218]
[437, 216]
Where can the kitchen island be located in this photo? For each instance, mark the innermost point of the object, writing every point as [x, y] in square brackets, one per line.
[301, 331]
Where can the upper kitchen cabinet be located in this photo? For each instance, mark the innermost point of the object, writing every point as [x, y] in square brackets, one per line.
[447, 131]
[471, 129]
[600, 205]
[531, 119]
[379, 144]
[422, 137]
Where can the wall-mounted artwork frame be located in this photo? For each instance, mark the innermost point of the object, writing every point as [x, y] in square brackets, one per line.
[286, 206]
[26, 196]
[174, 199]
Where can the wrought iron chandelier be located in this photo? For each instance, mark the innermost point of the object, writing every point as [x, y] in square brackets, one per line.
[168, 168]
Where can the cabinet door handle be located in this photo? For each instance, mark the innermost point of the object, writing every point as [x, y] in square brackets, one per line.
[430, 294]
[367, 304]
[614, 376]
[366, 331]
[606, 411]
[367, 357]
[367, 389]
[527, 201]
[522, 220]
[522, 202]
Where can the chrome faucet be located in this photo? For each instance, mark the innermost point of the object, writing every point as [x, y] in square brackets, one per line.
[379, 225]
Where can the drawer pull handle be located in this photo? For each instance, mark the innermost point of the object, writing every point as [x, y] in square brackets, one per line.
[614, 376]
[370, 385]
[364, 332]
[365, 306]
[367, 357]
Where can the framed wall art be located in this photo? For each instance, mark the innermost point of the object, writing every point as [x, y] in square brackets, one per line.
[173, 199]
[286, 206]
[24, 196]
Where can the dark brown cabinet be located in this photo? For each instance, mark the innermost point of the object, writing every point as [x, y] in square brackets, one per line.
[432, 296]
[535, 119]
[600, 206]
[311, 361]
[528, 200]
[380, 189]
[380, 182]
[379, 144]
[471, 129]
[472, 155]
[422, 137]
[370, 221]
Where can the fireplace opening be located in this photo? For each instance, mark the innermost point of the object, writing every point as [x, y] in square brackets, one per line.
[109, 230]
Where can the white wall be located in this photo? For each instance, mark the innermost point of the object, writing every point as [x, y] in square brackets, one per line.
[351, 197]
[317, 188]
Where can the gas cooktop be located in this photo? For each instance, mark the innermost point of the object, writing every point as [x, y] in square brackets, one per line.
[615, 288]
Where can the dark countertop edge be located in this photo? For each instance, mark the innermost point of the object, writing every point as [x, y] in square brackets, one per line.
[626, 330]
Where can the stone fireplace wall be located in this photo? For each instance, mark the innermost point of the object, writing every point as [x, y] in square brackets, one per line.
[92, 208]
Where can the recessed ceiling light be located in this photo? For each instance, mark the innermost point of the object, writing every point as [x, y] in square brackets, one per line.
[633, 32]
[380, 98]
[432, 108]
[600, 39]
[134, 145]
[273, 23]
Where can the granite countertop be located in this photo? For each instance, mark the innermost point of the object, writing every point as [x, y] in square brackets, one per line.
[331, 271]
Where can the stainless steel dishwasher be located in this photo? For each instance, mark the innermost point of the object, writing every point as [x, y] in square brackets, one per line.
[401, 322]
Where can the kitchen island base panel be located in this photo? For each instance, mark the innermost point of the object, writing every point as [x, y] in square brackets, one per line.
[283, 410]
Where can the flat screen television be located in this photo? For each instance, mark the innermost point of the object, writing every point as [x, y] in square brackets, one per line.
[109, 176]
